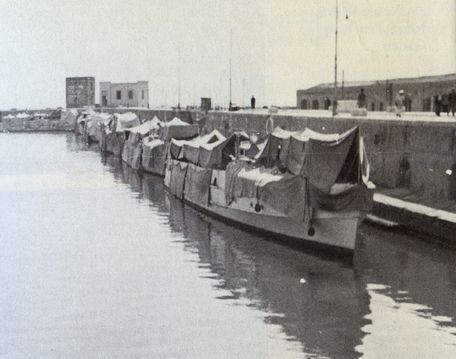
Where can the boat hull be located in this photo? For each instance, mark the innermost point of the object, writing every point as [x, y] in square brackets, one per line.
[332, 231]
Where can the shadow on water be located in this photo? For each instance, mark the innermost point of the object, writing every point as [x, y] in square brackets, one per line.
[325, 304]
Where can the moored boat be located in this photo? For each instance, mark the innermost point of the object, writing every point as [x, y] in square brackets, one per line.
[302, 185]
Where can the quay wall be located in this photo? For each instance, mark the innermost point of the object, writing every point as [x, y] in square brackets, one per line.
[414, 156]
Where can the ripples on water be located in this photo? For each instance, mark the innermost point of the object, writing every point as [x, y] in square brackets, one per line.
[99, 262]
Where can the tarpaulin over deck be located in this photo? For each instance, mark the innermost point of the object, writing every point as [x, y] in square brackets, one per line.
[318, 157]
[355, 197]
[323, 170]
[126, 121]
[177, 178]
[288, 196]
[209, 145]
[197, 184]
[177, 129]
[154, 156]
[324, 160]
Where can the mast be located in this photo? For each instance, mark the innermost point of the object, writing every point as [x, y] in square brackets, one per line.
[343, 85]
[178, 78]
[231, 60]
[335, 60]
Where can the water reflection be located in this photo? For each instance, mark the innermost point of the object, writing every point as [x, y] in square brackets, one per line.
[399, 289]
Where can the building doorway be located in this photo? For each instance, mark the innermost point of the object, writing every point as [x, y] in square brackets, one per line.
[303, 104]
[315, 105]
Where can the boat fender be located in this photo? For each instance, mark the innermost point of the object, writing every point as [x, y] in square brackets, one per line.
[258, 207]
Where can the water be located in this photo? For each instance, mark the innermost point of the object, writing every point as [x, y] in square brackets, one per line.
[98, 262]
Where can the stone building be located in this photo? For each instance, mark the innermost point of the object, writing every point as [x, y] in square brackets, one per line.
[380, 94]
[80, 92]
[134, 94]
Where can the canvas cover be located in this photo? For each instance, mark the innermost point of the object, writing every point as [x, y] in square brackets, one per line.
[197, 184]
[177, 179]
[288, 196]
[154, 156]
[295, 159]
[231, 173]
[126, 121]
[132, 151]
[315, 165]
[179, 132]
[356, 197]
[324, 160]
[190, 150]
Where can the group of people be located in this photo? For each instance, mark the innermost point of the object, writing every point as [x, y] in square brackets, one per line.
[399, 101]
[445, 103]
[442, 103]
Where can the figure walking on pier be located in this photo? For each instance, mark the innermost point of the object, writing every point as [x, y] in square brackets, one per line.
[399, 102]
[452, 101]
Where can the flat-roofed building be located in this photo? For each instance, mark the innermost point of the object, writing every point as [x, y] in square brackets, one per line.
[80, 92]
[380, 94]
[129, 94]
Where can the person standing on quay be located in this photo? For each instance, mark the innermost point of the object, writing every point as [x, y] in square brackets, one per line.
[452, 101]
[362, 99]
[399, 102]
[445, 104]
[252, 102]
[437, 104]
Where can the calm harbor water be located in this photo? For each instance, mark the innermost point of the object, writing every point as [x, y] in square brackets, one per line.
[99, 262]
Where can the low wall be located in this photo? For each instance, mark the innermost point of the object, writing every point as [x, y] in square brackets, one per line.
[37, 125]
[413, 155]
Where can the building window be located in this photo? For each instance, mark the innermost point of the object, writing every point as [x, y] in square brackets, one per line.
[91, 86]
[130, 94]
[381, 106]
[142, 94]
[373, 106]
[304, 104]
[315, 105]
[118, 95]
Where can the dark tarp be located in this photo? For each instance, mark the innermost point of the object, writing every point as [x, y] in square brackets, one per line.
[358, 197]
[115, 142]
[296, 155]
[177, 180]
[324, 160]
[174, 150]
[154, 159]
[190, 153]
[197, 184]
[288, 196]
[132, 151]
[219, 156]
[275, 152]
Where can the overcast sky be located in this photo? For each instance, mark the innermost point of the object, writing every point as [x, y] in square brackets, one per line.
[278, 46]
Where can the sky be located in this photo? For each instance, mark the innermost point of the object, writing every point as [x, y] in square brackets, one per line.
[277, 46]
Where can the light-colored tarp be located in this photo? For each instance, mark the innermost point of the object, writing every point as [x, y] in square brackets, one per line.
[126, 121]
[231, 173]
[189, 150]
[145, 128]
